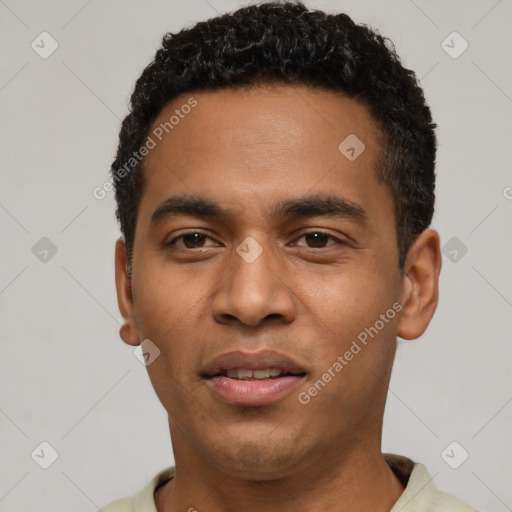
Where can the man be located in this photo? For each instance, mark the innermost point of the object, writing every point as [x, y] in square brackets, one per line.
[275, 187]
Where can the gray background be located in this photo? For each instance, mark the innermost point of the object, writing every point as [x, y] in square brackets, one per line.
[66, 377]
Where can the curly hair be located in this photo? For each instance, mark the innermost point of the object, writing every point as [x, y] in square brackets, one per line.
[285, 43]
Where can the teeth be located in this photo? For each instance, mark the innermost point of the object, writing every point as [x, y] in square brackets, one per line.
[244, 373]
[261, 374]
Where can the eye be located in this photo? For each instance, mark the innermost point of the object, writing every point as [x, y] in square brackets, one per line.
[196, 240]
[318, 239]
[191, 240]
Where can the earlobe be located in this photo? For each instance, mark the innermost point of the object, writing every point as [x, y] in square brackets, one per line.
[420, 289]
[128, 332]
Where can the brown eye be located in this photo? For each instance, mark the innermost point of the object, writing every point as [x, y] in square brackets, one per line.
[317, 239]
[192, 240]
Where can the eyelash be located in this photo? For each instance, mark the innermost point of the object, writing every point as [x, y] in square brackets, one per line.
[172, 242]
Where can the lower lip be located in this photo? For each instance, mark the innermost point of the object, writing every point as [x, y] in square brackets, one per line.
[252, 392]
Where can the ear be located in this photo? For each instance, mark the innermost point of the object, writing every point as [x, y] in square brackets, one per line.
[420, 285]
[129, 332]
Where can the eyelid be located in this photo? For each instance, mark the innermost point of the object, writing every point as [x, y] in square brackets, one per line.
[191, 232]
[301, 235]
[322, 232]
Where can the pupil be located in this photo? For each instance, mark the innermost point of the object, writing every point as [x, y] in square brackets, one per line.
[197, 238]
[317, 238]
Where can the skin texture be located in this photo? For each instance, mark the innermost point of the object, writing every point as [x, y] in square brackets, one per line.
[305, 297]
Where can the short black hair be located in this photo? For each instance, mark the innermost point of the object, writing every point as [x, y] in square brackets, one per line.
[285, 42]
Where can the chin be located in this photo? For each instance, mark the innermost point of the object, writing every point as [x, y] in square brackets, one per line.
[257, 457]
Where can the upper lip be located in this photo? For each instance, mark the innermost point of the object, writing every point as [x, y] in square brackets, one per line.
[260, 360]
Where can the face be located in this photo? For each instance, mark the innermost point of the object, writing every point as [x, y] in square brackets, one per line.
[287, 261]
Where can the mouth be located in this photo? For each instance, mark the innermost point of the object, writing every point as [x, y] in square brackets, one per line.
[251, 379]
[246, 374]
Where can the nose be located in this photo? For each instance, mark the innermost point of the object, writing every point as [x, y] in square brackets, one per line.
[253, 292]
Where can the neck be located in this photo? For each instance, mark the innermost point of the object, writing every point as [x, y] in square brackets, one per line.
[351, 478]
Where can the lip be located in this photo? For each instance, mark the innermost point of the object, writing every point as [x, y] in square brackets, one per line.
[252, 392]
[252, 361]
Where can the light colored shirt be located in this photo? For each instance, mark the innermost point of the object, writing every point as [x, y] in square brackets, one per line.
[420, 494]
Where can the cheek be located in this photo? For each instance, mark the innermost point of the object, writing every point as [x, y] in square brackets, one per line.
[163, 297]
[166, 306]
[355, 354]
[345, 314]
[344, 303]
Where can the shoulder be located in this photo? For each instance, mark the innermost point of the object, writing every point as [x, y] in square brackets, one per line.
[122, 505]
[444, 502]
[142, 501]
[420, 494]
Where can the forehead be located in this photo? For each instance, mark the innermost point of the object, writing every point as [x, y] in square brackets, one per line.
[262, 143]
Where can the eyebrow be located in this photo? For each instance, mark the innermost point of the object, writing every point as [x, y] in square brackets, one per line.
[306, 206]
